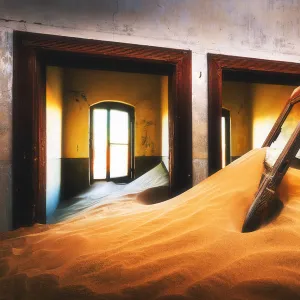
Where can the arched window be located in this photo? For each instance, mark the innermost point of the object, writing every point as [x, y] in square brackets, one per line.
[112, 141]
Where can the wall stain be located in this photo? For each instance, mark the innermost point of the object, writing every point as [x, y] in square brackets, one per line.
[147, 142]
[127, 29]
[4, 129]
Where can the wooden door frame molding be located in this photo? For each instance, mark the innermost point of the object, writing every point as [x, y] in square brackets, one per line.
[217, 64]
[32, 52]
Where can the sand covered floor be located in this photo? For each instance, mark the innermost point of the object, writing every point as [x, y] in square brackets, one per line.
[189, 247]
[152, 182]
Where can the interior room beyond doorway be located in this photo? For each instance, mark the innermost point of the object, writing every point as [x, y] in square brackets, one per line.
[254, 107]
[71, 97]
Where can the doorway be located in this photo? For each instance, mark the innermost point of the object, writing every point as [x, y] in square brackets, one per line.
[33, 53]
[104, 130]
[254, 91]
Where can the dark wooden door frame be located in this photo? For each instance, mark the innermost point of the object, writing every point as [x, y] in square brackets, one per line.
[217, 65]
[32, 52]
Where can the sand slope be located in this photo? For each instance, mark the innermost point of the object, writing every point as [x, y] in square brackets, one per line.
[189, 247]
[104, 193]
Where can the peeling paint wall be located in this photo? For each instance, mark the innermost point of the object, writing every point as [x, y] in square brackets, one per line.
[143, 91]
[267, 29]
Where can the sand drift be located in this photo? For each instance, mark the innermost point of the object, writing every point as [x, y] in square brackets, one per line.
[189, 247]
[155, 180]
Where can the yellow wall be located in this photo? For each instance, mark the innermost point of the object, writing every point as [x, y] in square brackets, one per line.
[254, 108]
[143, 91]
[267, 102]
[236, 98]
[164, 116]
[54, 110]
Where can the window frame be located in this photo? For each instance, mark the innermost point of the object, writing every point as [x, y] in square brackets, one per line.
[109, 105]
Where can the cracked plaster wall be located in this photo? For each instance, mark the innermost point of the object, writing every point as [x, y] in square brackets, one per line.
[268, 29]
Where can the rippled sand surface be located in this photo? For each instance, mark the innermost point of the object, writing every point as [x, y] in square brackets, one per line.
[189, 247]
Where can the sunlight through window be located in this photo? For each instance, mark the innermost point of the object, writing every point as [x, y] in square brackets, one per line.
[119, 139]
[118, 127]
[111, 143]
[100, 142]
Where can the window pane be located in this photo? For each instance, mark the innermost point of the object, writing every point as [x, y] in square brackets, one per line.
[118, 127]
[100, 142]
[118, 160]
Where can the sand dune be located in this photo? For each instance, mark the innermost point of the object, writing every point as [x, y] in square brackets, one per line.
[155, 181]
[189, 247]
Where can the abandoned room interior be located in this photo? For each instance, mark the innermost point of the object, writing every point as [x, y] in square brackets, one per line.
[246, 98]
[85, 111]
[138, 138]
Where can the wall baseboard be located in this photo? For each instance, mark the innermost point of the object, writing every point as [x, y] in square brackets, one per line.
[144, 164]
[233, 158]
[75, 176]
